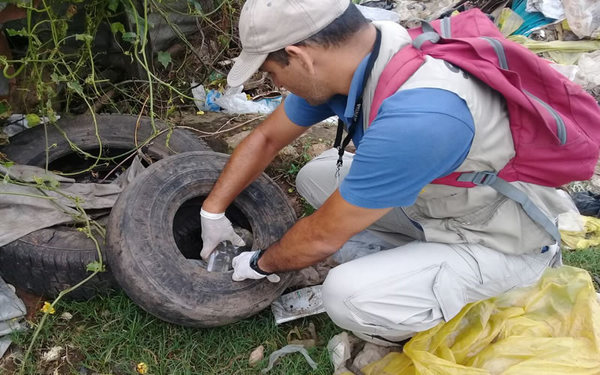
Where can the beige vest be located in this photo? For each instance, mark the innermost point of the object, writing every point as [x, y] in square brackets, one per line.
[480, 215]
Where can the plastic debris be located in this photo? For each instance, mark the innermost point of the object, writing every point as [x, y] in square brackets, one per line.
[256, 356]
[199, 94]
[561, 52]
[222, 256]
[53, 354]
[588, 237]
[297, 304]
[12, 310]
[531, 21]
[378, 14]
[370, 353]
[549, 8]
[583, 17]
[234, 100]
[307, 338]
[552, 327]
[287, 350]
[340, 351]
[509, 21]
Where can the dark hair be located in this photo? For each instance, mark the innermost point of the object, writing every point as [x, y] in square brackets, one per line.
[334, 34]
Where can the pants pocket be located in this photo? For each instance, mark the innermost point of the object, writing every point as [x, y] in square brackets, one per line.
[413, 301]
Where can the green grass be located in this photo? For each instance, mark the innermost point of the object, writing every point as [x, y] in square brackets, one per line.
[110, 335]
[588, 259]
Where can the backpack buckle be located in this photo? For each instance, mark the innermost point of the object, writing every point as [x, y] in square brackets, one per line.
[479, 178]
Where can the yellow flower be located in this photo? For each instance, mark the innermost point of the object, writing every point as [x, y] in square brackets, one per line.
[47, 308]
[141, 368]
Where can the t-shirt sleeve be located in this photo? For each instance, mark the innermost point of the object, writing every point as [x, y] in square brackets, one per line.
[301, 113]
[418, 135]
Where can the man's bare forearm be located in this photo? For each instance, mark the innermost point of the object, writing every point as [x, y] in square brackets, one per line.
[315, 237]
[250, 159]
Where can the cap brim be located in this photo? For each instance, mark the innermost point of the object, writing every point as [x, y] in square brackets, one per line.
[245, 66]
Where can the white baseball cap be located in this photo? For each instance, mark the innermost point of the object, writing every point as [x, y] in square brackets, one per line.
[269, 25]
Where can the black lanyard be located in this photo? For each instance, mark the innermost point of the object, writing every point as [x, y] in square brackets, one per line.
[341, 146]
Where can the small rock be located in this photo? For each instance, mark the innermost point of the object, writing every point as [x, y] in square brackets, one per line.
[289, 151]
[66, 316]
[53, 354]
[256, 356]
[236, 139]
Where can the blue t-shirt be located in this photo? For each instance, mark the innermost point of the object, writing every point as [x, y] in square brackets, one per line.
[417, 136]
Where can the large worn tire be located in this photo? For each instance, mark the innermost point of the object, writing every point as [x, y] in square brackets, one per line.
[52, 259]
[154, 234]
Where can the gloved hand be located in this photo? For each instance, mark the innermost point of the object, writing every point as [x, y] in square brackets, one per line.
[216, 228]
[242, 269]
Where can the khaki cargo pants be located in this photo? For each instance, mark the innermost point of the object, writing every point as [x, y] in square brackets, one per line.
[411, 285]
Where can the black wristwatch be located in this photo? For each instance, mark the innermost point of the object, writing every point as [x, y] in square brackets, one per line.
[254, 263]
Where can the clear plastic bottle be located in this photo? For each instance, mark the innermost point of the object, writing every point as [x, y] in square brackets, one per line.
[220, 259]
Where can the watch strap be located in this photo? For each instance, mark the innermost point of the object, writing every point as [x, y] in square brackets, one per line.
[254, 263]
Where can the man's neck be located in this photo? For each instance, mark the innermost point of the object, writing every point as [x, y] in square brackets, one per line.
[339, 65]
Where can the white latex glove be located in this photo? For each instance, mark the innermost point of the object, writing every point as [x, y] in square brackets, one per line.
[243, 271]
[216, 228]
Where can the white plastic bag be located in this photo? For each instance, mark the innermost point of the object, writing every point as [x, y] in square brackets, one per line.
[549, 8]
[583, 17]
[235, 101]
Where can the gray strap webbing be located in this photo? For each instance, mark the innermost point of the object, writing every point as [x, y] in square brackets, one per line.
[446, 26]
[430, 36]
[490, 179]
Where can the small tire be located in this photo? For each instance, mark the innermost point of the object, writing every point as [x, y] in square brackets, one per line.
[50, 260]
[151, 244]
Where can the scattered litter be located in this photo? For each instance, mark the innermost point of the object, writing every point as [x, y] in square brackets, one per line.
[222, 256]
[371, 353]
[588, 237]
[287, 350]
[297, 304]
[589, 70]
[233, 100]
[66, 316]
[340, 351]
[559, 51]
[531, 21]
[256, 356]
[199, 94]
[549, 8]
[551, 327]
[583, 17]
[307, 338]
[53, 354]
[508, 21]
[411, 12]
[378, 14]
[587, 203]
[17, 123]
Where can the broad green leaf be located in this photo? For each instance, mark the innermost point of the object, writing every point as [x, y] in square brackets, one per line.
[95, 266]
[4, 108]
[32, 119]
[164, 58]
[130, 36]
[117, 27]
[75, 86]
[113, 5]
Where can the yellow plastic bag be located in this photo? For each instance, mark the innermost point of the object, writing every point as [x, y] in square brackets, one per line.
[550, 328]
[589, 237]
[562, 52]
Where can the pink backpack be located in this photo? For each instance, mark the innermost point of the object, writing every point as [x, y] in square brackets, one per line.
[555, 124]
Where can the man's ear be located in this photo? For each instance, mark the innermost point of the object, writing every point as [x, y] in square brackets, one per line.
[303, 56]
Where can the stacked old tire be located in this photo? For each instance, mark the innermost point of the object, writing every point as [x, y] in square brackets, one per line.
[153, 231]
[50, 260]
